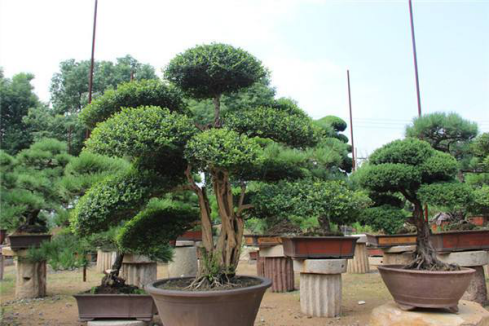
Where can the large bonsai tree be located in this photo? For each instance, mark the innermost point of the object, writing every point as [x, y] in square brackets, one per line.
[421, 174]
[148, 123]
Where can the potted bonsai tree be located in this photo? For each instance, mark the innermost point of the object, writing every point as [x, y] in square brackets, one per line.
[149, 124]
[414, 169]
[313, 206]
[30, 191]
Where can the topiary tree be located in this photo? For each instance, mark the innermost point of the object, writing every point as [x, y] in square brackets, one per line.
[170, 153]
[421, 174]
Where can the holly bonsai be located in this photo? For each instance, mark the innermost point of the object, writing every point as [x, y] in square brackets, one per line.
[421, 174]
[171, 153]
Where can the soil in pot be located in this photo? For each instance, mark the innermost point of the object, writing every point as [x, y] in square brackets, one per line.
[116, 289]
[237, 306]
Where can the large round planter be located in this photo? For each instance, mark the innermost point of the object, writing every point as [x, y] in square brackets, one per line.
[236, 307]
[425, 289]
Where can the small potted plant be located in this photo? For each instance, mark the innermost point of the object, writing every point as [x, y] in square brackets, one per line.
[414, 169]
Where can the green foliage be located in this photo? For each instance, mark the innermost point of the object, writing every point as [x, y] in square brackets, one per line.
[444, 132]
[334, 122]
[29, 185]
[132, 95]
[160, 222]
[450, 195]
[407, 151]
[385, 218]
[112, 200]
[17, 97]
[275, 124]
[63, 252]
[142, 131]
[207, 71]
[222, 149]
[480, 203]
[105, 240]
[308, 203]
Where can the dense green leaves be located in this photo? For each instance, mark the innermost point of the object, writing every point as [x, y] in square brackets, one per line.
[142, 131]
[334, 122]
[132, 95]
[160, 222]
[222, 149]
[406, 151]
[207, 71]
[385, 218]
[449, 195]
[278, 125]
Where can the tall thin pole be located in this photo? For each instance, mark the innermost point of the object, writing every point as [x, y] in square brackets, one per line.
[92, 61]
[418, 95]
[353, 155]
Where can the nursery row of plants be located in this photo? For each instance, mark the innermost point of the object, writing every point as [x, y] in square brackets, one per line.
[210, 147]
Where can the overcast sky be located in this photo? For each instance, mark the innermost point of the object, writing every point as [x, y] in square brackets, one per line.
[307, 44]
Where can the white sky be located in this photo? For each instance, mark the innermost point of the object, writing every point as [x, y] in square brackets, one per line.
[307, 44]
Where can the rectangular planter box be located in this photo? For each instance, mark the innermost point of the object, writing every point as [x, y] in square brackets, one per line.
[191, 236]
[115, 306]
[253, 255]
[478, 220]
[385, 241]
[262, 240]
[375, 252]
[25, 241]
[319, 247]
[461, 240]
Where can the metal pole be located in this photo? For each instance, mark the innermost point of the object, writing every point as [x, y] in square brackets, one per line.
[415, 57]
[92, 61]
[418, 96]
[353, 156]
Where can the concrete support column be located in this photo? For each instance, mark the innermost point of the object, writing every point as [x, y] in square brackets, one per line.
[321, 286]
[260, 265]
[105, 260]
[138, 270]
[360, 263]
[398, 255]
[31, 279]
[278, 268]
[477, 290]
[184, 261]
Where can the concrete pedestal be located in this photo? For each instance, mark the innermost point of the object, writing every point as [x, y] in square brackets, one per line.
[139, 273]
[278, 268]
[105, 260]
[117, 323]
[184, 262]
[31, 279]
[477, 290]
[398, 255]
[260, 265]
[470, 314]
[320, 286]
[360, 263]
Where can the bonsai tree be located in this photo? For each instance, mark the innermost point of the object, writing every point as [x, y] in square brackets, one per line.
[29, 186]
[170, 153]
[311, 204]
[414, 169]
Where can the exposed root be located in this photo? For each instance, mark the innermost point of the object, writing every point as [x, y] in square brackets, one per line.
[223, 281]
[428, 262]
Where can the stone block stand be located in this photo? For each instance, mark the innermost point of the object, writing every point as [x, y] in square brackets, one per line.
[138, 270]
[105, 260]
[360, 263]
[31, 277]
[320, 286]
[477, 290]
[184, 262]
[260, 265]
[398, 255]
[278, 268]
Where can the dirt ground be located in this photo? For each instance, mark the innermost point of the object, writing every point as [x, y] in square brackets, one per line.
[59, 307]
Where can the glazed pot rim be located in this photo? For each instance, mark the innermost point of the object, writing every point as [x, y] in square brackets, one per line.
[323, 237]
[86, 295]
[398, 268]
[152, 288]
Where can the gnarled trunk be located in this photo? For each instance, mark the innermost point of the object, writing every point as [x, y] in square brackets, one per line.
[112, 278]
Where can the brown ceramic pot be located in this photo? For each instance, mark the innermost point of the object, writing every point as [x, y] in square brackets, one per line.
[24, 241]
[425, 289]
[122, 306]
[460, 240]
[262, 240]
[236, 307]
[319, 247]
[191, 236]
[385, 241]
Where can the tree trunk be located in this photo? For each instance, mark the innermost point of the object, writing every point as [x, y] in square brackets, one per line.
[425, 255]
[113, 279]
[217, 111]
[325, 224]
